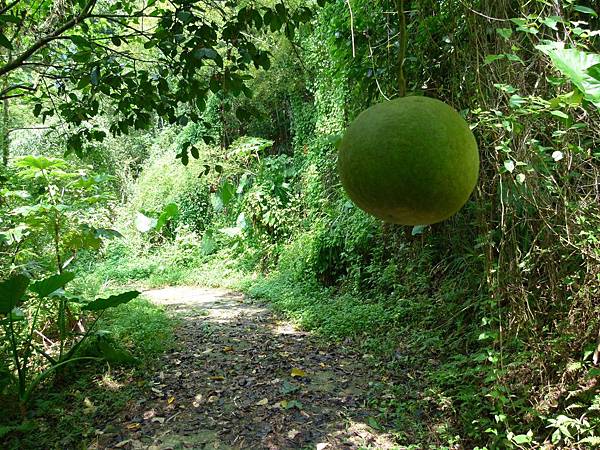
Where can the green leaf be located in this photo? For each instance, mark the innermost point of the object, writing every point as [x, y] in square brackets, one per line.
[7, 18]
[372, 422]
[491, 58]
[506, 33]
[521, 439]
[560, 114]
[594, 72]
[226, 192]
[516, 100]
[574, 64]
[169, 212]
[114, 300]
[585, 10]
[80, 41]
[418, 229]
[107, 233]
[12, 291]
[208, 244]
[552, 21]
[47, 286]
[4, 42]
[95, 76]
[114, 354]
[40, 163]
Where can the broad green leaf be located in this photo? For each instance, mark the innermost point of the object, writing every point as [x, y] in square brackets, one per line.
[107, 233]
[208, 244]
[522, 439]
[506, 33]
[516, 100]
[113, 353]
[574, 64]
[8, 18]
[114, 300]
[80, 41]
[491, 58]
[4, 42]
[17, 315]
[585, 10]
[47, 286]
[169, 212]
[560, 114]
[12, 291]
[226, 192]
[552, 21]
[14, 235]
[418, 229]
[41, 163]
[594, 71]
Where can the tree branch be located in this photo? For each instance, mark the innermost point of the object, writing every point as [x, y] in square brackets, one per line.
[17, 62]
[25, 87]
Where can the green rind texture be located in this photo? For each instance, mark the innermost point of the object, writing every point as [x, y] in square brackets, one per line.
[410, 161]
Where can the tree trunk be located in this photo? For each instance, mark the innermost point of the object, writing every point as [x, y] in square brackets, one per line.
[4, 136]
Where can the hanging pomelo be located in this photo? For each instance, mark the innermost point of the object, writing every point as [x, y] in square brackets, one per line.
[411, 161]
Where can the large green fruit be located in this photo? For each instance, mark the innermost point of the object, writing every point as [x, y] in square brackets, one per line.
[412, 161]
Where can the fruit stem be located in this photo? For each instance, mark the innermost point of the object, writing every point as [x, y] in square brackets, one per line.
[402, 51]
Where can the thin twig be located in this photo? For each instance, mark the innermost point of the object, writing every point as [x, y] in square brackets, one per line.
[352, 28]
[481, 14]
[402, 50]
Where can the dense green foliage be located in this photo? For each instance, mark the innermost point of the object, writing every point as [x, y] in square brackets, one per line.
[492, 314]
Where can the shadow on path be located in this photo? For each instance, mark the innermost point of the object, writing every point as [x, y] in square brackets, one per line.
[242, 379]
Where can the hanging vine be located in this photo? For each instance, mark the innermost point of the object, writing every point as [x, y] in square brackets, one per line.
[402, 51]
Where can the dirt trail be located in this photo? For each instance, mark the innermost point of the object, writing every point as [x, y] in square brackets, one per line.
[243, 379]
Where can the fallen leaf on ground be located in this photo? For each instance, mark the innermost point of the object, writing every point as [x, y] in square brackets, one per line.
[227, 349]
[322, 445]
[170, 400]
[288, 388]
[122, 443]
[291, 404]
[197, 400]
[297, 372]
[149, 414]
[262, 402]
[133, 426]
[292, 434]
